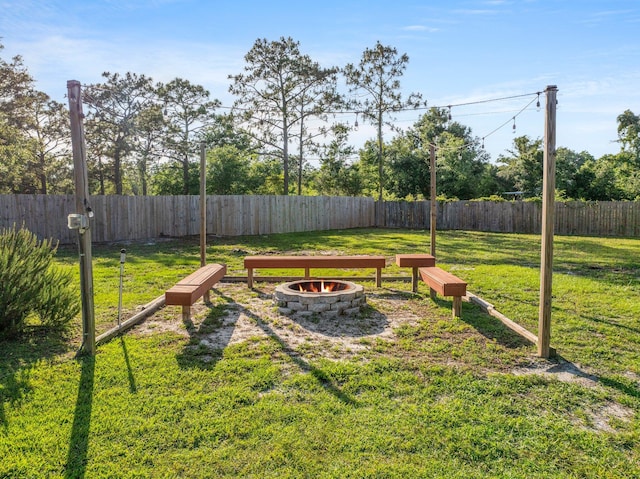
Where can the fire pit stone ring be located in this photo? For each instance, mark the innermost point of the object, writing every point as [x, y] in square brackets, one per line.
[326, 298]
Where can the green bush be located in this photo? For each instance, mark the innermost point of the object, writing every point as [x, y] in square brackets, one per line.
[31, 284]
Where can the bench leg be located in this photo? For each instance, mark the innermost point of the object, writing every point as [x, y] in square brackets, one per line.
[249, 278]
[186, 313]
[433, 293]
[307, 273]
[457, 306]
[378, 277]
[206, 297]
[414, 280]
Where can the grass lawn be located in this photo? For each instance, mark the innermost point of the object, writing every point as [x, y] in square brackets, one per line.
[401, 391]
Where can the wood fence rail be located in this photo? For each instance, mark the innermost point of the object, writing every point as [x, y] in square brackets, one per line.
[602, 218]
[119, 218]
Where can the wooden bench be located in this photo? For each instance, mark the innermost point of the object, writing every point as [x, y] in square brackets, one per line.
[188, 290]
[308, 262]
[415, 261]
[446, 284]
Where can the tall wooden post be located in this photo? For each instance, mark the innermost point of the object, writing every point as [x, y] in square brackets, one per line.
[203, 204]
[548, 219]
[83, 209]
[203, 210]
[432, 197]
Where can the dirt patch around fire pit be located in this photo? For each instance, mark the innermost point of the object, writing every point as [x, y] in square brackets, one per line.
[238, 314]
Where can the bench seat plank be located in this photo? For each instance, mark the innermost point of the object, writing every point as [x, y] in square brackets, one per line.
[308, 262]
[415, 261]
[275, 261]
[446, 284]
[188, 290]
[443, 282]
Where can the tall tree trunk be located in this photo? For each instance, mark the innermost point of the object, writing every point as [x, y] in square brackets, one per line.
[117, 173]
[185, 174]
[300, 157]
[380, 186]
[285, 156]
[42, 174]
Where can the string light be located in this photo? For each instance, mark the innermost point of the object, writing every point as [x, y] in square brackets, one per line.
[447, 107]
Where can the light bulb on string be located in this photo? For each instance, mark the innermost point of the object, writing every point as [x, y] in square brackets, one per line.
[513, 129]
[449, 115]
[538, 103]
[355, 125]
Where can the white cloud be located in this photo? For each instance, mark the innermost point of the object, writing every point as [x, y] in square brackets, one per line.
[419, 28]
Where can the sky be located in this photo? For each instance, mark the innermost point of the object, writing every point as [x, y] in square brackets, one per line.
[460, 52]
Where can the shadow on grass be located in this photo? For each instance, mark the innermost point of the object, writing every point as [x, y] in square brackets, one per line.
[611, 323]
[562, 366]
[209, 339]
[323, 379]
[76, 464]
[132, 380]
[18, 356]
[487, 325]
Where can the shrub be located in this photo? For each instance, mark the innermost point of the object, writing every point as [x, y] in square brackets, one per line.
[31, 284]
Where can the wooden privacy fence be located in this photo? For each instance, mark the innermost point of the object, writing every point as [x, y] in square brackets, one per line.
[603, 218]
[120, 218]
[139, 217]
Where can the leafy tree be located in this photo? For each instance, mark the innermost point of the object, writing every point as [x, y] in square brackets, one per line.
[378, 75]
[223, 131]
[568, 164]
[188, 113]
[408, 164]
[522, 168]
[596, 180]
[228, 171]
[34, 135]
[410, 157]
[460, 164]
[168, 179]
[629, 133]
[16, 85]
[51, 134]
[317, 94]
[15, 152]
[149, 125]
[279, 89]
[114, 108]
[337, 175]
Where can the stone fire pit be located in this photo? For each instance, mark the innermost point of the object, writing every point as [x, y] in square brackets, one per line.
[326, 298]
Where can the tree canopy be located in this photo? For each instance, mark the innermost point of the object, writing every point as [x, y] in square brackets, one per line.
[144, 137]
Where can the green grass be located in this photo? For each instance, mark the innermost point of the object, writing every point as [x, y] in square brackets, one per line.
[442, 399]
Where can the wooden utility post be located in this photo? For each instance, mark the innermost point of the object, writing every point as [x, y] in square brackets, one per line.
[548, 219]
[203, 204]
[203, 210]
[82, 219]
[432, 196]
[432, 222]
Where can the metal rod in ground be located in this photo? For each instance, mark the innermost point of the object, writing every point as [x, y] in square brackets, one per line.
[123, 255]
